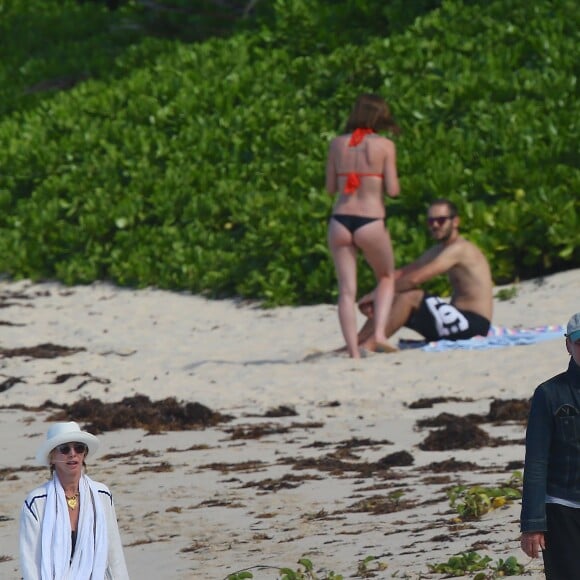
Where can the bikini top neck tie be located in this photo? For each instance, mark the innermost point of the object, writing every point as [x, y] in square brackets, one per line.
[358, 135]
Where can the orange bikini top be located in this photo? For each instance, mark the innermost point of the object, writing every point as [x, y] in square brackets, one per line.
[353, 177]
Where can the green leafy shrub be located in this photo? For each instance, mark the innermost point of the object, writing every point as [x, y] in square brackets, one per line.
[50, 46]
[200, 166]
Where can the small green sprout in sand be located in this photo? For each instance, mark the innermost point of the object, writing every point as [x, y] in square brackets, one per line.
[304, 572]
[462, 563]
[473, 502]
[509, 567]
[240, 575]
[307, 573]
[468, 562]
[366, 568]
[506, 294]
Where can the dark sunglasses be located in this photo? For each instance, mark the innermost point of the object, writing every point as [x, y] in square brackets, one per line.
[439, 220]
[79, 448]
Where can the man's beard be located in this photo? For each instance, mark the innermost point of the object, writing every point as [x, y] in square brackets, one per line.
[444, 237]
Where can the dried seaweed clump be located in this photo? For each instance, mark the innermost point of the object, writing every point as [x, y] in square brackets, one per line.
[139, 412]
[509, 410]
[397, 459]
[45, 350]
[462, 434]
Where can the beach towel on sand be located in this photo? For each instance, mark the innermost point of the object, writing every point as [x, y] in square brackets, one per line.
[497, 337]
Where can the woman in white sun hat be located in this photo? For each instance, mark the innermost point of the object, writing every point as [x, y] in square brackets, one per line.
[68, 526]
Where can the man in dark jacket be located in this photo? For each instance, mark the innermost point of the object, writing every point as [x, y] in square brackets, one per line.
[550, 518]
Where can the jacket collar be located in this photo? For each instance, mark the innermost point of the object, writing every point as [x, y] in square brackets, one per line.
[574, 373]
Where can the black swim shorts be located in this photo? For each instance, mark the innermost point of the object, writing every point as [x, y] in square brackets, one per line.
[436, 319]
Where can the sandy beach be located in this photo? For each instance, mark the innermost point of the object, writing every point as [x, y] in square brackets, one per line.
[309, 454]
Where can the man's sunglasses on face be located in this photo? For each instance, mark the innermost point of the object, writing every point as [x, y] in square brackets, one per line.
[440, 220]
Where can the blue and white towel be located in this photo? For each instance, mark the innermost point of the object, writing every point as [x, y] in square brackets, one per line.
[497, 337]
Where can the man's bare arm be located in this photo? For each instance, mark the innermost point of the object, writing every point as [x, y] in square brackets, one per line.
[434, 262]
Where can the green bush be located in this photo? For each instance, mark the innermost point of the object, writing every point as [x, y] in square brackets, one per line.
[200, 166]
[49, 46]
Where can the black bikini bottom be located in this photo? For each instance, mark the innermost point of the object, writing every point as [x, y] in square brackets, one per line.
[352, 222]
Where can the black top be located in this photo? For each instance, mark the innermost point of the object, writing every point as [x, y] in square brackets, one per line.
[73, 537]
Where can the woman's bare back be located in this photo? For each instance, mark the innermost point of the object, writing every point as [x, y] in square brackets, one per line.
[373, 162]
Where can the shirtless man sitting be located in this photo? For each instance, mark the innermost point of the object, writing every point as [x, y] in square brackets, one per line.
[468, 313]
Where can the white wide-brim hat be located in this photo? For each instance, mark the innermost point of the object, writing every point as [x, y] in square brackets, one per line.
[59, 433]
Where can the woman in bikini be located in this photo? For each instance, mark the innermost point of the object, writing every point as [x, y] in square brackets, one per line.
[361, 167]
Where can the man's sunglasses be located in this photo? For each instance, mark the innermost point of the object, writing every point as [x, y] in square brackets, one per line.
[79, 448]
[439, 220]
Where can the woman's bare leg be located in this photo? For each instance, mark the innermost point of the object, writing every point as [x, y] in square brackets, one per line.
[344, 256]
[375, 242]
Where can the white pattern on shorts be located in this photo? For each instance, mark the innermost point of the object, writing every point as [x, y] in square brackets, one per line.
[448, 319]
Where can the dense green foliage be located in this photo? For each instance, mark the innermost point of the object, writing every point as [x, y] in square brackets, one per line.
[200, 165]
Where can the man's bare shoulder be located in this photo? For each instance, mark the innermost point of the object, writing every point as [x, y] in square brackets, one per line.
[463, 249]
[458, 255]
[474, 251]
[453, 250]
[469, 263]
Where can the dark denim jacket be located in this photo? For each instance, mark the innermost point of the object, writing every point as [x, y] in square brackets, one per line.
[552, 447]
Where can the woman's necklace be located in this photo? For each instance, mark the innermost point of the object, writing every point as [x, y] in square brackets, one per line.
[73, 501]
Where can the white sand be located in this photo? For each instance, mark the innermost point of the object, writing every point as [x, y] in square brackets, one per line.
[197, 521]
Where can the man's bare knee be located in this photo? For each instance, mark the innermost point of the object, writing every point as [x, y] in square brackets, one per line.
[410, 298]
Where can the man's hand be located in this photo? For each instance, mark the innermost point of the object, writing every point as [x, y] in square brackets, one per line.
[366, 305]
[533, 543]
